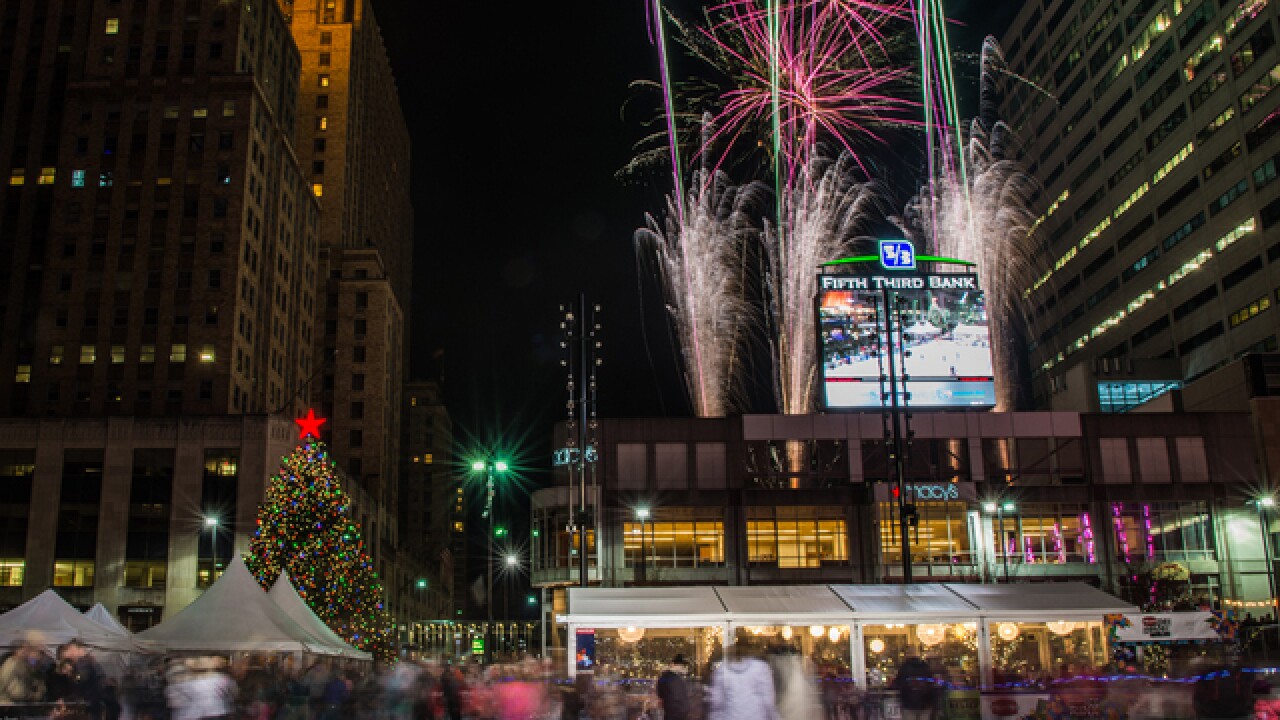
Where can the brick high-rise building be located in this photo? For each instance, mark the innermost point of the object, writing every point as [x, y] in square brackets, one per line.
[354, 148]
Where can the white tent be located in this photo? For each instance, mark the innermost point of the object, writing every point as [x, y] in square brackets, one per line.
[100, 615]
[59, 623]
[286, 596]
[234, 615]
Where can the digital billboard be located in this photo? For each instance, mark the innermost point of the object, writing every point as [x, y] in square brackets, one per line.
[940, 321]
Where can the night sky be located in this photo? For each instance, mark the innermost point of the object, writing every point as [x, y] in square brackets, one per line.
[521, 116]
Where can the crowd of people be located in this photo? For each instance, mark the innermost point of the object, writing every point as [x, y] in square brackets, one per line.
[753, 682]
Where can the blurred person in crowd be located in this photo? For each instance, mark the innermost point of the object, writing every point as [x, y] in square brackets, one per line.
[451, 691]
[673, 690]
[1223, 693]
[918, 692]
[334, 696]
[574, 700]
[22, 673]
[742, 687]
[77, 679]
[201, 689]
[796, 696]
[520, 696]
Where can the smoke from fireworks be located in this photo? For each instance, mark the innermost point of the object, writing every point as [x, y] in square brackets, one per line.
[823, 212]
[701, 253]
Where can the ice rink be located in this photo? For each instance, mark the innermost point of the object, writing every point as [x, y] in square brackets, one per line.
[933, 359]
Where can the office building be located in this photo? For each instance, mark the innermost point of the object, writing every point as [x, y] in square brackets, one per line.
[1152, 126]
[432, 510]
[354, 149]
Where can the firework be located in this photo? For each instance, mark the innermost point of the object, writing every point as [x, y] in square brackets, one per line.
[801, 73]
[824, 211]
[986, 216]
[700, 253]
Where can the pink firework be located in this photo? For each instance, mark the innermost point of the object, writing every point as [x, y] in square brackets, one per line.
[811, 71]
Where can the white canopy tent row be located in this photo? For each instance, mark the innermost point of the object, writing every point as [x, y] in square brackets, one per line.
[54, 623]
[235, 615]
[983, 611]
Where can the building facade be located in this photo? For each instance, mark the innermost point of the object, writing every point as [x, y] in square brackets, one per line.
[354, 149]
[432, 510]
[1001, 497]
[1151, 125]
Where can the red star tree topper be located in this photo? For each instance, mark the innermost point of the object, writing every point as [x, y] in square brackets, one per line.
[310, 425]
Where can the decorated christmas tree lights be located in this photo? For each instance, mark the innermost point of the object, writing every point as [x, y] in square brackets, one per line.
[305, 527]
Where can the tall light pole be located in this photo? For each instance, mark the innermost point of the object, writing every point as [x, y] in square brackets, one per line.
[211, 523]
[1265, 504]
[489, 466]
[642, 514]
[1000, 508]
[512, 563]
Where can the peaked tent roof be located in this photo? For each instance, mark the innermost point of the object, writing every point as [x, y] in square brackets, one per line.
[100, 615]
[234, 615]
[286, 596]
[59, 623]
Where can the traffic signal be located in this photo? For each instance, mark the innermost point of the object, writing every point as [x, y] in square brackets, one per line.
[499, 532]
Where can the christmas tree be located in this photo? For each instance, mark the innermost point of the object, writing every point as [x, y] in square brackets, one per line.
[305, 527]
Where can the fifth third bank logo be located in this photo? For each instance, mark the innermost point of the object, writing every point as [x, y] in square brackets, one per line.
[897, 255]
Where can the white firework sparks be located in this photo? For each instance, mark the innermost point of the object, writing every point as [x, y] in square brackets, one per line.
[701, 259]
[823, 212]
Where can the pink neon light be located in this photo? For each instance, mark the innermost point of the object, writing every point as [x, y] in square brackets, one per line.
[1087, 534]
[1057, 543]
[1121, 534]
[1146, 525]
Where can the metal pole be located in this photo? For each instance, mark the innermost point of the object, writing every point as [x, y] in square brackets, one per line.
[1266, 553]
[896, 414]
[542, 621]
[488, 630]
[1004, 546]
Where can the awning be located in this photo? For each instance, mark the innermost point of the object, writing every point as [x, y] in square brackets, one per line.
[646, 607]
[833, 604]
[801, 604]
[902, 603]
[1040, 601]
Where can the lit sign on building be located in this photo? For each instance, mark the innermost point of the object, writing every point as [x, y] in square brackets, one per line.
[897, 255]
[569, 456]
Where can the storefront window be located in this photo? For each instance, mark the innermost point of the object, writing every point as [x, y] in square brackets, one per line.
[941, 537]
[676, 538]
[951, 649]
[1161, 532]
[1027, 652]
[797, 537]
[644, 653]
[1051, 533]
[826, 647]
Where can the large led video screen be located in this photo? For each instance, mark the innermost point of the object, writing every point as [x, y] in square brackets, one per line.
[941, 320]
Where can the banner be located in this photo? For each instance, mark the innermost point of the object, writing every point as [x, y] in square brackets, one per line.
[1164, 627]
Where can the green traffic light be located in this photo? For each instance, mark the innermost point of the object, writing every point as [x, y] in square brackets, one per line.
[500, 532]
[537, 533]
[422, 583]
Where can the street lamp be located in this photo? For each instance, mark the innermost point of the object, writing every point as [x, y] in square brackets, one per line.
[642, 514]
[1007, 506]
[1265, 504]
[211, 523]
[489, 466]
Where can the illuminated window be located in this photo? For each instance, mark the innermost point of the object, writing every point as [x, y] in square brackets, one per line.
[1250, 311]
[145, 573]
[221, 466]
[113, 26]
[322, 123]
[200, 112]
[171, 112]
[147, 354]
[55, 355]
[1260, 89]
[1120, 397]
[229, 108]
[323, 80]
[117, 354]
[208, 354]
[178, 352]
[458, 527]
[47, 176]
[1044, 533]
[695, 543]
[317, 189]
[18, 177]
[77, 178]
[22, 375]
[12, 572]
[73, 573]
[796, 537]
[88, 354]
[106, 179]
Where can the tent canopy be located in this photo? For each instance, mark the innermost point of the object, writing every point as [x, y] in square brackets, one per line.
[234, 615]
[286, 597]
[800, 604]
[677, 606]
[59, 623]
[100, 615]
